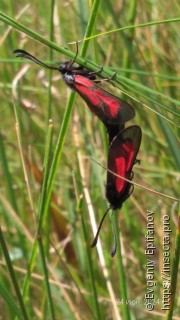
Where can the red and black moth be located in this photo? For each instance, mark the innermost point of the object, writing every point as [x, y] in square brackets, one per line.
[111, 110]
[121, 159]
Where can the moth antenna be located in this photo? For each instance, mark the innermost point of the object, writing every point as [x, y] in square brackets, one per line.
[24, 54]
[113, 251]
[77, 50]
[99, 228]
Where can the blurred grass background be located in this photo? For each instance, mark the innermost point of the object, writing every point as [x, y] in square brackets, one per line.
[51, 261]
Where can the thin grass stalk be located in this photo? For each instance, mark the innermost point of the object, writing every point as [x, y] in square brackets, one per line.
[12, 10]
[41, 221]
[58, 150]
[141, 25]
[23, 163]
[46, 277]
[90, 264]
[171, 140]
[6, 295]
[7, 175]
[122, 273]
[40, 212]
[90, 26]
[13, 276]
[129, 37]
[51, 37]
[30, 268]
[121, 79]
[155, 102]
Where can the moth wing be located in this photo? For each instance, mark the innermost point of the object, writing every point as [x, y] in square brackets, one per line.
[109, 108]
[122, 154]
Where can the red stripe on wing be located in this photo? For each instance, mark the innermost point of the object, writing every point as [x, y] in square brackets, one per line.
[122, 155]
[122, 164]
[109, 108]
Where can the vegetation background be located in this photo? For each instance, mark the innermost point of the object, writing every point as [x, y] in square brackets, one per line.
[51, 191]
